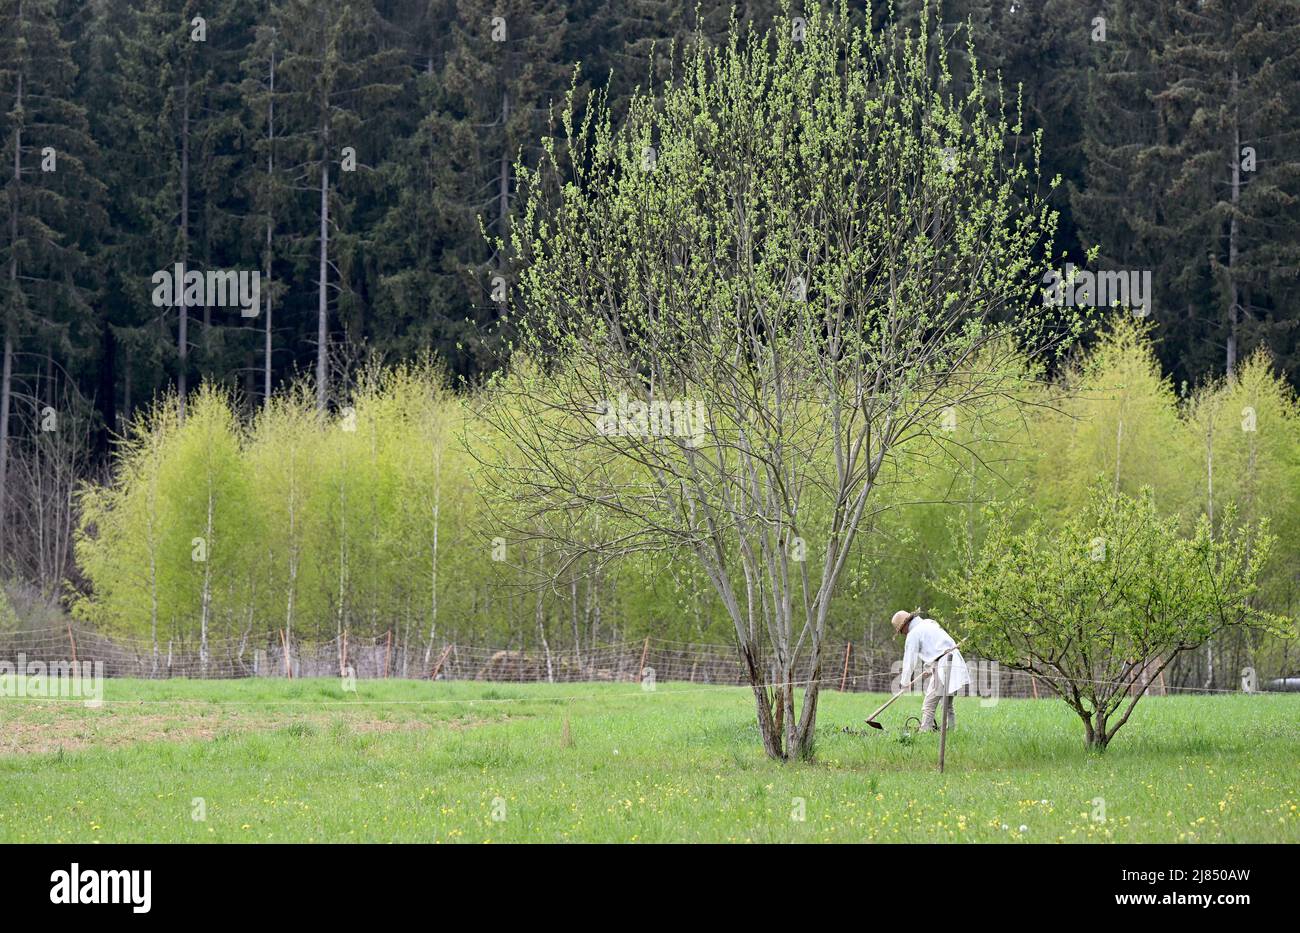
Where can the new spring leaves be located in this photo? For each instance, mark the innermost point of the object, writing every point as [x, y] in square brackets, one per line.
[1117, 573]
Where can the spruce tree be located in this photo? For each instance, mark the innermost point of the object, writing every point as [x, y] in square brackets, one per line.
[1191, 170]
[502, 77]
[334, 81]
[1231, 71]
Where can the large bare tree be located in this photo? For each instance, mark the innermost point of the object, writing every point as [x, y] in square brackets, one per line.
[796, 258]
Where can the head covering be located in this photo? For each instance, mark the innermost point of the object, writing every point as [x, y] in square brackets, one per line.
[901, 618]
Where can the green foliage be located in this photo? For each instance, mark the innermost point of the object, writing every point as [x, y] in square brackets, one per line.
[1116, 415]
[1103, 602]
[120, 538]
[363, 509]
[312, 525]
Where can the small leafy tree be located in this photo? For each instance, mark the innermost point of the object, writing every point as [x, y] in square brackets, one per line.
[1103, 603]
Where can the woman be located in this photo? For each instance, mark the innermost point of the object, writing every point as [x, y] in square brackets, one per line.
[927, 641]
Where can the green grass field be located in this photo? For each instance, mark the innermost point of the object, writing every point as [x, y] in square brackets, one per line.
[280, 761]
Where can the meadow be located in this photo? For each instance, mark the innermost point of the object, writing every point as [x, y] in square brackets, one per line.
[404, 761]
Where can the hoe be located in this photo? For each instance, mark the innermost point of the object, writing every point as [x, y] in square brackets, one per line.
[871, 720]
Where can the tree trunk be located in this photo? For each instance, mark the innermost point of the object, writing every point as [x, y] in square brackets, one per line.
[503, 170]
[769, 730]
[433, 572]
[343, 556]
[270, 226]
[207, 584]
[293, 558]
[573, 620]
[322, 295]
[540, 618]
[1235, 296]
[182, 335]
[153, 570]
[807, 734]
[1095, 738]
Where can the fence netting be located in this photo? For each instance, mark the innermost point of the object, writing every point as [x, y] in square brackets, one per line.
[844, 666]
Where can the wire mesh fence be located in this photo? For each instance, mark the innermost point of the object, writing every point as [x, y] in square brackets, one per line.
[275, 654]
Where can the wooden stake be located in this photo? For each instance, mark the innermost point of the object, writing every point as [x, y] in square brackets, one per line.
[944, 705]
[74, 644]
[844, 678]
[388, 652]
[645, 651]
[343, 663]
[433, 675]
[1033, 682]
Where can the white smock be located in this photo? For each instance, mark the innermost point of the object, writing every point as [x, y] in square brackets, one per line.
[926, 640]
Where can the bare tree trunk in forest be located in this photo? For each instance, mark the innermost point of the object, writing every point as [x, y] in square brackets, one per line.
[182, 336]
[1234, 306]
[270, 227]
[205, 361]
[503, 173]
[322, 295]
